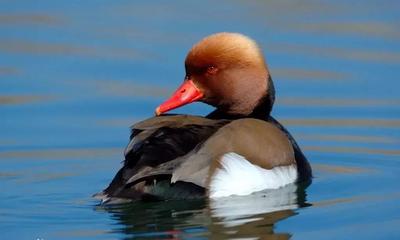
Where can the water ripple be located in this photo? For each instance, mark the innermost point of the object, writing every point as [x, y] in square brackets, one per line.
[385, 123]
[359, 55]
[54, 153]
[22, 99]
[338, 102]
[30, 19]
[358, 150]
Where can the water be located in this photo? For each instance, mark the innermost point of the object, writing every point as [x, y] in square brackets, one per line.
[75, 74]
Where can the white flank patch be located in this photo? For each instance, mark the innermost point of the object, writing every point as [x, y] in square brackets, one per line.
[240, 177]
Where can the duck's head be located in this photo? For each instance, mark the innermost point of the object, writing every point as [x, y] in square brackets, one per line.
[225, 70]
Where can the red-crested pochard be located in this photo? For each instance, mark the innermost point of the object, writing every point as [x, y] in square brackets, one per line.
[237, 149]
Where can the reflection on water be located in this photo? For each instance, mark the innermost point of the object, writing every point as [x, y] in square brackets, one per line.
[60, 153]
[339, 169]
[310, 75]
[223, 218]
[8, 71]
[350, 138]
[380, 123]
[335, 102]
[365, 55]
[359, 150]
[17, 46]
[372, 29]
[160, 219]
[126, 89]
[236, 210]
[4, 100]
[29, 19]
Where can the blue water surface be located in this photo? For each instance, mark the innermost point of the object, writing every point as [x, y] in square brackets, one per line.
[74, 75]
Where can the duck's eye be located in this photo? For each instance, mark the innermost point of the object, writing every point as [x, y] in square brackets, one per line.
[211, 70]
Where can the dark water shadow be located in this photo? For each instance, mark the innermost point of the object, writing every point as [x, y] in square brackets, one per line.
[252, 216]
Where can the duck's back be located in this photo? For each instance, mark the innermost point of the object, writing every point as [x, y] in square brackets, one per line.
[153, 142]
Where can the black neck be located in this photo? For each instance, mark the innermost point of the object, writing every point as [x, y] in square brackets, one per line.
[261, 111]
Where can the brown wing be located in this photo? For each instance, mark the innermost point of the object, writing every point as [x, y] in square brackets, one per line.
[260, 142]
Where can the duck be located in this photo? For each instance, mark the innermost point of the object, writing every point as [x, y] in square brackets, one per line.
[237, 149]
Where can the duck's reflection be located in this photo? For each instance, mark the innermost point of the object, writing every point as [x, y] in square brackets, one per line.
[250, 216]
[255, 215]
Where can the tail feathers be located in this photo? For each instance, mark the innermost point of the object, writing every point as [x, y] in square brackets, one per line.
[137, 186]
[102, 196]
[155, 190]
[106, 198]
